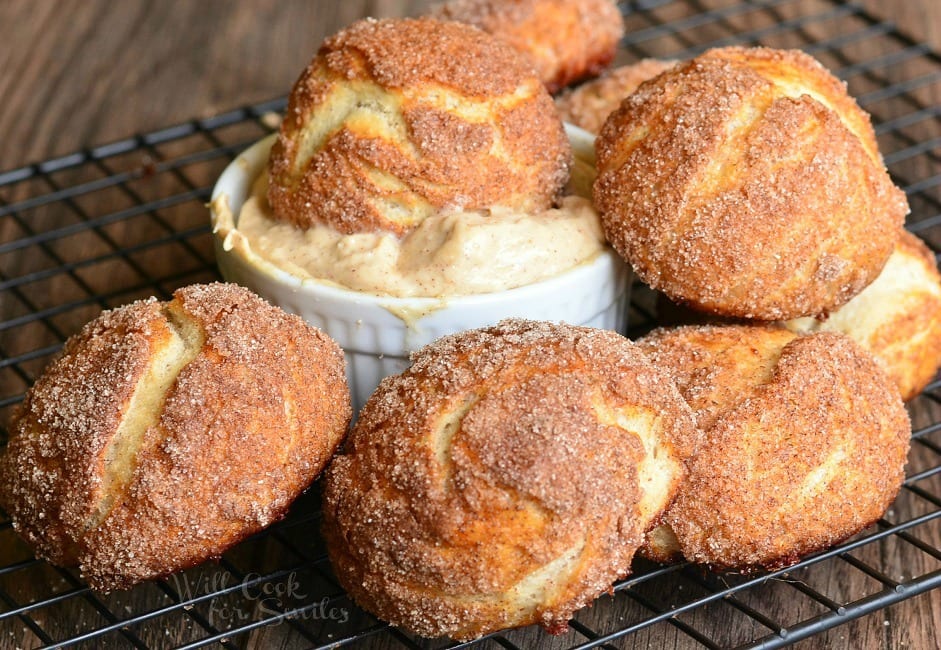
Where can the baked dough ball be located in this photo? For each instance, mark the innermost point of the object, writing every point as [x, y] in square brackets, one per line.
[897, 317]
[805, 440]
[589, 105]
[168, 431]
[747, 183]
[506, 478]
[565, 40]
[397, 119]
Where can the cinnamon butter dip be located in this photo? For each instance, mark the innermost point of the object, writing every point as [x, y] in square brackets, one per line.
[450, 254]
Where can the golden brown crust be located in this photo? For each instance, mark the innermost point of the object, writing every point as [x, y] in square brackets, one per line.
[897, 317]
[497, 483]
[565, 41]
[251, 418]
[50, 472]
[589, 105]
[396, 119]
[805, 443]
[747, 183]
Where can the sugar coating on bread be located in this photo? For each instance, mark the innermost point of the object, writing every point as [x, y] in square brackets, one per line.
[565, 41]
[166, 432]
[505, 479]
[805, 442]
[747, 183]
[897, 317]
[589, 104]
[395, 120]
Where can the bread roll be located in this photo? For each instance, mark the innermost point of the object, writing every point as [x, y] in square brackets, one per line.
[589, 104]
[747, 183]
[897, 317]
[506, 478]
[397, 119]
[565, 40]
[805, 441]
[167, 432]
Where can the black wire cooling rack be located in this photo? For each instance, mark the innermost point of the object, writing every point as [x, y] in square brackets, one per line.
[96, 229]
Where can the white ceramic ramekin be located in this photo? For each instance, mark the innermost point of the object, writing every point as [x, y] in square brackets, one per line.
[378, 333]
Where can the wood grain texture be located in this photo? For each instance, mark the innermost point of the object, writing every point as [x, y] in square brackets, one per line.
[77, 73]
[919, 19]
[80, 73]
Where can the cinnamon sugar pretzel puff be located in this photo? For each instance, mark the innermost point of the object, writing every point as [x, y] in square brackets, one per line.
[505, 479]
[589, 104]
[897, 317]
[565, 40]
[168, 431]
[397, 119]
[748, 183]
[805, 441]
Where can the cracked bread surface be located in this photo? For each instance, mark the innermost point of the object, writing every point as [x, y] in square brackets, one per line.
[897, 317]
[565, 40]
[804, 443]
[166, 432]
[747, 183]
[588, 105]
[505, 479]
[398, 119]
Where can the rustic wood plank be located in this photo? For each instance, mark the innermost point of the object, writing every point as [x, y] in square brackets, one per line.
[78, 73]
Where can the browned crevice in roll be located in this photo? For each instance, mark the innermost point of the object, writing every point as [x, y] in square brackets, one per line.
[396, 120]
[589, 104]
[449, 424]
[746, 183]
[167, 432]
[182, 342]
[805, 442]
[505, 478]
[897, 317]
[564, 40]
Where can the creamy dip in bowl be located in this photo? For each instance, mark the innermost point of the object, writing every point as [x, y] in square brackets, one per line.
[382, 298]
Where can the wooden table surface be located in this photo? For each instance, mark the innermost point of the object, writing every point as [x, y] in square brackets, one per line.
[77, 73]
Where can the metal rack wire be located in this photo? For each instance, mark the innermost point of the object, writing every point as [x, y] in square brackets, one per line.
[129, 206]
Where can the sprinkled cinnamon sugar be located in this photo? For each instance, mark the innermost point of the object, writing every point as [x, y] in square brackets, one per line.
[483, 488]
[244, 428]
[805, 443]
[397, 119]
[589, 105]
[744, 183]
[565, 40]
[50, 472]
[897, 317]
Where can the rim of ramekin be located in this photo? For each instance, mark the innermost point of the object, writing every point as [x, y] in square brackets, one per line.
[236, 182]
